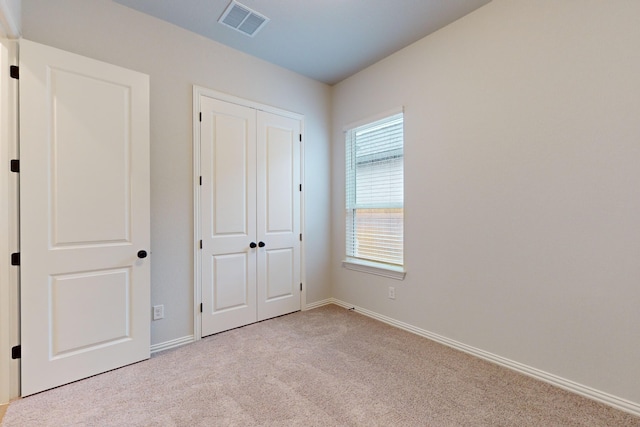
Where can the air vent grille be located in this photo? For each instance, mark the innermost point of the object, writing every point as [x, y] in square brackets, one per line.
[241, 18]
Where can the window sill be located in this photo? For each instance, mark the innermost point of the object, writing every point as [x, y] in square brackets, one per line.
[379, 269]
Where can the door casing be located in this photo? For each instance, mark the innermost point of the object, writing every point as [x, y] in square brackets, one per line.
[199, 92]
[9, 275]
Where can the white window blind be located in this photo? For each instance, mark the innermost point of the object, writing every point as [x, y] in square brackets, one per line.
[375, 191]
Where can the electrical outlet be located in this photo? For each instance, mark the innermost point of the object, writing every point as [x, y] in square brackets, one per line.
[158, 312]
[392, 292]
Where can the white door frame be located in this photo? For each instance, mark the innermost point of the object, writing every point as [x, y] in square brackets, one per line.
[199, 92]
[9, 275]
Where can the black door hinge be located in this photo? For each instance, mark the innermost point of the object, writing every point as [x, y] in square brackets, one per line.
[300, 187]
[14, 72]
[300, 287]
[15, 258]
[200, 116]
[15, 165]
[200, 244]
[200, 307]
[301, 237]
[300, 137]
[16, 352]
[201, 180]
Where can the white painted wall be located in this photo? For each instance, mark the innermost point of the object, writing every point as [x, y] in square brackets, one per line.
[522, 186]
[175, 60]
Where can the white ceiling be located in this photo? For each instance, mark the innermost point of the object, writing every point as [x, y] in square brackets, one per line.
[326, 40]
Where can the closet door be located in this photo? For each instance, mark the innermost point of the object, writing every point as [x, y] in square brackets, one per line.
[228, 215]
[278, 219]
[249, 215]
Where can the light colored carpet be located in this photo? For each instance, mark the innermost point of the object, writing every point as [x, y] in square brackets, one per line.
[324, 367]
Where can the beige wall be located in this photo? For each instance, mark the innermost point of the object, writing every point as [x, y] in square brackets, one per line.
[522, 196]
[522, 193]
[175, 60]
[10, 20]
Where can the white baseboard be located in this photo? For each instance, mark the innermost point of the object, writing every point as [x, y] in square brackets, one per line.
[155, 348]
[588, 392]
[172, 344]
[319, 304]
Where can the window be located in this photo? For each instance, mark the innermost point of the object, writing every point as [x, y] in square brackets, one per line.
[375, 194]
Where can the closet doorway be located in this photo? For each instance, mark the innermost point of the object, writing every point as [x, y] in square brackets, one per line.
[248, 193]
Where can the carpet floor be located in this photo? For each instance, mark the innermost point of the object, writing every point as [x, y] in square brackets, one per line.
[323, 367]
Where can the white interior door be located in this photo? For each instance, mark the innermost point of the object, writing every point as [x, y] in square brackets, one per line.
[249, 215]
[228, 225]
[84, 202]
[278, 218]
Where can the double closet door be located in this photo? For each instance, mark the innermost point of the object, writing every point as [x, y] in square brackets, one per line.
[249, 214]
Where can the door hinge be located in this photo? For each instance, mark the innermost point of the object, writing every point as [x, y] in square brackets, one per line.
[200, 307]
[300, 135]
[200, 116]
[200, 180]
[15, 165]
[200, 244]
[301, 237]
[300, 287]
[16, 352]
[15, 258]
[14, 72]
[300, 187]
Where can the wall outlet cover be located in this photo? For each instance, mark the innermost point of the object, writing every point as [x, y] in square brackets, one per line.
[158, 312]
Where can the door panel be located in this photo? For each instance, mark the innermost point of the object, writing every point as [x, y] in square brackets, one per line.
[279, 179]
[103, 297]
[84, 214]
[278, 219]
[229, 181]
[280, 273]
[91, 159]
[227, 150]
[230, 281]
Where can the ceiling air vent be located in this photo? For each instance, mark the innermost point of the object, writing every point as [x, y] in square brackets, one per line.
[241, 18]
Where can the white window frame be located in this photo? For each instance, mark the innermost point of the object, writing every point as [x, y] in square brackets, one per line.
[392, 271]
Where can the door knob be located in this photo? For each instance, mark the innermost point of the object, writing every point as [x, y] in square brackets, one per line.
[142, 254]
[261, 244]
[252, 245]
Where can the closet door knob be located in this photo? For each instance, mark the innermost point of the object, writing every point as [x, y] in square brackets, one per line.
[142, 254]
[261, 244]
[252, 245]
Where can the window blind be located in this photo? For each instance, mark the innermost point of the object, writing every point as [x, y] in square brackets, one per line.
[375, 191]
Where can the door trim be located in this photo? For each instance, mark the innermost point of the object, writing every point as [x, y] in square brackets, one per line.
[198, 93]
[9, 299]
